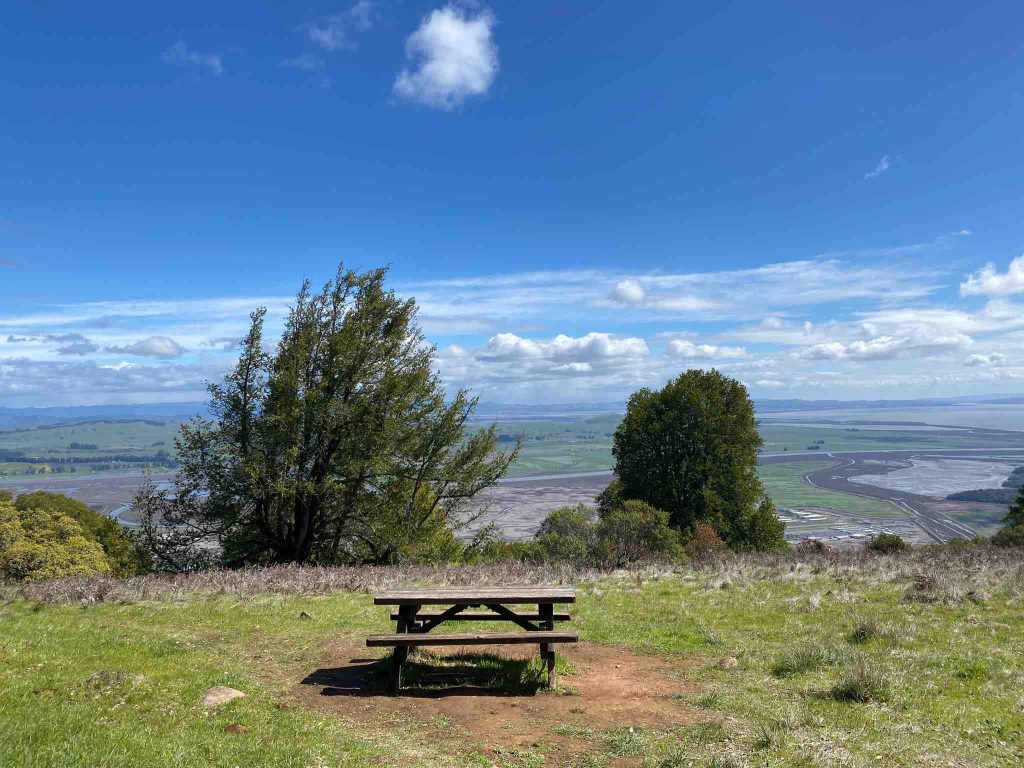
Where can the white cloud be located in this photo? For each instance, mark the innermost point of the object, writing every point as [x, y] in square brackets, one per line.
[629, 292]
[920, 342]
[770, 383]
[154, 346]
[984, 361]
[883, 166]
[688, 350]
[562, 348]
[453, 58]
[987, 281]
[336, 32]
[180, 55]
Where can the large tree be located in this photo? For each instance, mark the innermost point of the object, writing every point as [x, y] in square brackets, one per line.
[691, 450]
[340, 446]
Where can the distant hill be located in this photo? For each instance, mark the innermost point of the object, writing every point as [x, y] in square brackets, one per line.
[770, 406]
[20, 418]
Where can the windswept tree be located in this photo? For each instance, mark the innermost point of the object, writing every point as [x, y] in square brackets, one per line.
[339, 446]
[691, 450]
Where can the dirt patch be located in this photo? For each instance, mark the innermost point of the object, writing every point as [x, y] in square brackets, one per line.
[607, 689]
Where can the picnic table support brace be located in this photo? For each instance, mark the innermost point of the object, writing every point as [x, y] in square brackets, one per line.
[547, 652]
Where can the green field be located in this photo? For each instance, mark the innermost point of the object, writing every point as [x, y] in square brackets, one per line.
[784, 483]
[561, 446]
[932, 644]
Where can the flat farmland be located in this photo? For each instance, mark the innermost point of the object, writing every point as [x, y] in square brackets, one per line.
[786, 485]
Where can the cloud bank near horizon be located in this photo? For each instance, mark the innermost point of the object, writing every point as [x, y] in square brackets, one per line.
[879, 323]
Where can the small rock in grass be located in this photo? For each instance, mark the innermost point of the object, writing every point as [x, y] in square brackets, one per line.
[729, 662]
[220, 694]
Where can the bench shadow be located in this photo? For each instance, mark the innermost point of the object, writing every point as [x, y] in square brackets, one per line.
[425, 675]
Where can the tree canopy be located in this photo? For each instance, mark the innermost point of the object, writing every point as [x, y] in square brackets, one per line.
[338, 446]
[691, 449]
[121, 554]
[44, 544]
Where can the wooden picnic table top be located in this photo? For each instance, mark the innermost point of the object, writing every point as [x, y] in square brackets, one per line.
[476, 596]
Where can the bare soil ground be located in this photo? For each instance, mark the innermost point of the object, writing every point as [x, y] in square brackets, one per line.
[609, 688]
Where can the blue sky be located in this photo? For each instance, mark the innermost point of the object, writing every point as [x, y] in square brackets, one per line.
[585, 198]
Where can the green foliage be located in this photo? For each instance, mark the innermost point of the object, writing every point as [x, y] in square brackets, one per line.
[635, 532]
[691, 449]
[886, 544]
[628, 533]
[567, 535]
[338, 447]
[1010, 536]
[40, 544]
[121, 553]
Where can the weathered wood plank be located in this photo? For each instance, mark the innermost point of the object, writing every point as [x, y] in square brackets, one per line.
[476, 596]
[491, 638]
[484, 616]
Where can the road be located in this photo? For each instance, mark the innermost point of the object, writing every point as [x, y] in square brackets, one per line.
[919, 508]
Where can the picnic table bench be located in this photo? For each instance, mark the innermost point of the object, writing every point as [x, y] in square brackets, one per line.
[413, 626]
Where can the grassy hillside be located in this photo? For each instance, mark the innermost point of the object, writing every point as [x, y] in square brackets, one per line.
[854, 661]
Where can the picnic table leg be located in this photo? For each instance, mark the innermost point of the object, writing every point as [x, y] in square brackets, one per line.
[406, 624]
[546, 611]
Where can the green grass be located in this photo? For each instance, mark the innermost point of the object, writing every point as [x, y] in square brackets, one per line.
[785, 484]
[943, 690]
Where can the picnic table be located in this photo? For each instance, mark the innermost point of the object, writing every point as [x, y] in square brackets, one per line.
[413, 626]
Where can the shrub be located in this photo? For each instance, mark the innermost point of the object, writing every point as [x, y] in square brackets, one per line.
[704, 541]
[1011, 536]
[813, 547]
[40, 544]
[567, 535]
[121, 554]
[886, 544]
[863, 682]
[636, 532]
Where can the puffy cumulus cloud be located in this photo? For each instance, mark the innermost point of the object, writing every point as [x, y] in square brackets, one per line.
[989, 281]
[154, 346]
[684, 348]
[922, 343]
[562, 348]
[629, 292]
[180, 55]
[453, 57]
[984, 361]
[337, 31]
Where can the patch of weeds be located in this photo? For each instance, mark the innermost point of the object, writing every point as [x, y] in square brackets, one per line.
[864, 682]
[971, 670]
[625, 742]
[717, 761]
[708, 635]
[573, 731]
[706, 733]
[676, 758]
[709, 700]
[771, 734]
[442, 721]
[868, 628]
[806, 657]
[589, 761]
